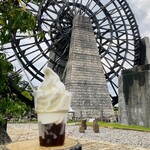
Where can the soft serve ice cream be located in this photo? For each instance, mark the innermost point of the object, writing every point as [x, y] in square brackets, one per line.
[52, 103]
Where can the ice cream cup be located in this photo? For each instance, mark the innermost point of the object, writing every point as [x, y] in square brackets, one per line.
[52, 102]
[52, 128]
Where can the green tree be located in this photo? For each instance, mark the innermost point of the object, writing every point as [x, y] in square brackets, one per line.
[15, 18]
[6, 68]
[10, 103]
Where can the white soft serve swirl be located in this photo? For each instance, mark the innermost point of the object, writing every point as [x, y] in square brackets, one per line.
[52, 95]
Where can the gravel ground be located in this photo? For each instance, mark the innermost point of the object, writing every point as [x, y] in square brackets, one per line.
[106, 139]
[127, 137]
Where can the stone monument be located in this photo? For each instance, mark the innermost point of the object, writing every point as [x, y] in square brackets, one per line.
[85, 76]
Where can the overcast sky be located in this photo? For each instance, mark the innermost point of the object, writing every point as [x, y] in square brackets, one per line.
[141, 10]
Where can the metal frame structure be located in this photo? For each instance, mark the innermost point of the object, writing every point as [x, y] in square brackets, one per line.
[115, 28]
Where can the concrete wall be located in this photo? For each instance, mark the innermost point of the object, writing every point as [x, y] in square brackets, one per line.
[134, 96]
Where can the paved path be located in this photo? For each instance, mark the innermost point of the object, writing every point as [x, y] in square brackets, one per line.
[107, 139]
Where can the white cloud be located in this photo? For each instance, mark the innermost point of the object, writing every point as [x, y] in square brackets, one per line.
[141, 10]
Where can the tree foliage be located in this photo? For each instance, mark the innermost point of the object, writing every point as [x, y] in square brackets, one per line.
[14, 17]
[12, 107]
[6, 68]
[10, 104]
[15, 94]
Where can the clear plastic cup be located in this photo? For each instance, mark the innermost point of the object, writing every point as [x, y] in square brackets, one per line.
[52, 128]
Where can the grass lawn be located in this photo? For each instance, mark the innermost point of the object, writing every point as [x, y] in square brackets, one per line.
[115, 125]
[121, 126]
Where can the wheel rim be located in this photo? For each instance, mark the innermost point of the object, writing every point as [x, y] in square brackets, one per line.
[115, 30]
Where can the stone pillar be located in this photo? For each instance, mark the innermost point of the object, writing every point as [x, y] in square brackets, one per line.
[85, 76]
[134, 96]
[145, 50]
[122, 116]
[147, 44]
[95, 126]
